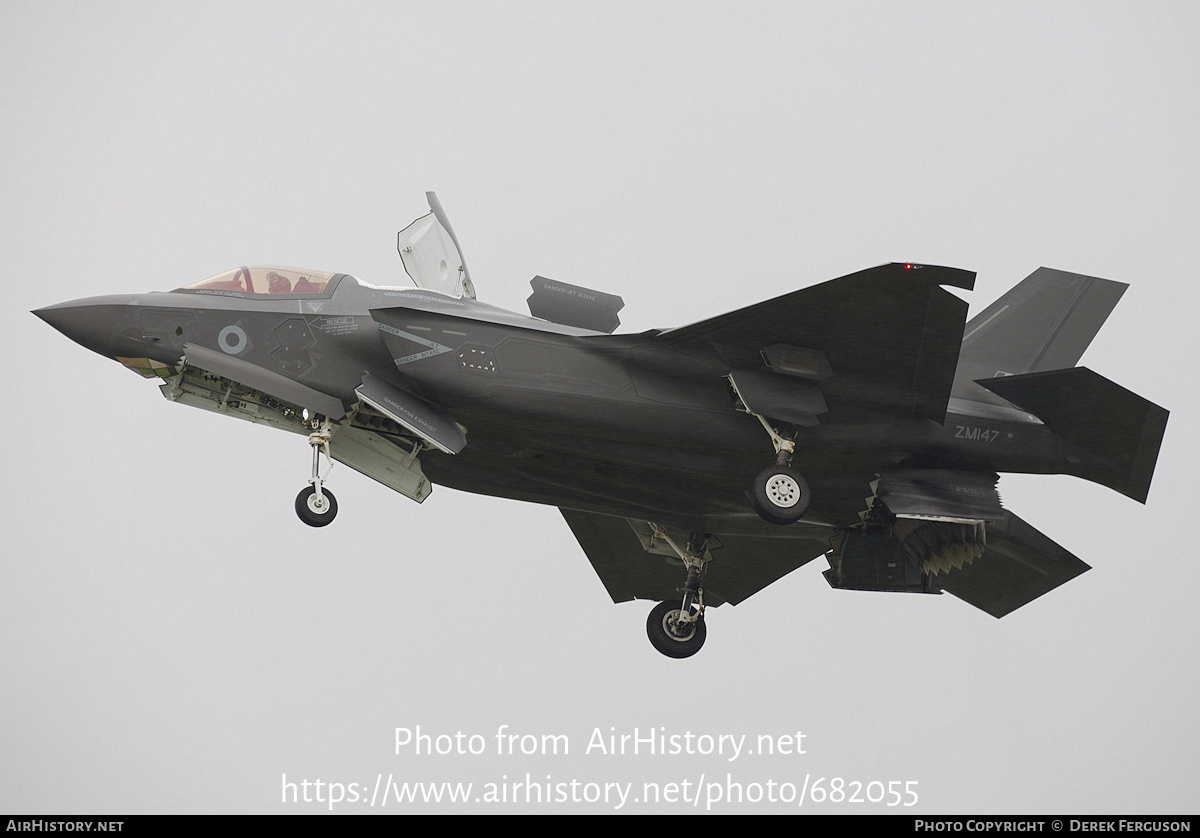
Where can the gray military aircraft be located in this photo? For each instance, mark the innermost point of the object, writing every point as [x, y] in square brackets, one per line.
[862, 419]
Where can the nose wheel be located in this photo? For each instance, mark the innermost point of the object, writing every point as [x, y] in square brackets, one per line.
[314, 509]
[315, 504]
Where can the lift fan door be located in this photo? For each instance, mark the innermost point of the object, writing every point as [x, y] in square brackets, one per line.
[431, 255]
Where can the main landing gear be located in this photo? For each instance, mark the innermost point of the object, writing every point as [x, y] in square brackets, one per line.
[672, 635]
[780, 494]
[676, 627]
[316, 505]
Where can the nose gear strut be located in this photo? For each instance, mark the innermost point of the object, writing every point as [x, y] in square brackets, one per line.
[315, 505]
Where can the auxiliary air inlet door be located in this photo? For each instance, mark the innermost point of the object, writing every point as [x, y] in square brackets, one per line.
[417, 415]
[573, 305]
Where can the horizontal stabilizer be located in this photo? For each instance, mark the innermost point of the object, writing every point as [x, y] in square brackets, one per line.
[1099, 416]
[427, 421]
[571, 305]
[1018, 565]
[889, 336]
[740, 566]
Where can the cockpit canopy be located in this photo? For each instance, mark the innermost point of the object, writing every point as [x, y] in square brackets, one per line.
[264, 279]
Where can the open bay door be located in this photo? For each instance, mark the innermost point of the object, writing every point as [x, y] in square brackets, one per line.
[431, 255]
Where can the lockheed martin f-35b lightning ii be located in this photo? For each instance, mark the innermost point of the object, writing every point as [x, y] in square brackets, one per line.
[862, 419]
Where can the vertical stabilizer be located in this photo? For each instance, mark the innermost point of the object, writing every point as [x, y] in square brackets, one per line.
[1043, 323]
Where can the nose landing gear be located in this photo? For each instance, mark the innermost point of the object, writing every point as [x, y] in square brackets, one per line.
[673, 636]
[316, 505]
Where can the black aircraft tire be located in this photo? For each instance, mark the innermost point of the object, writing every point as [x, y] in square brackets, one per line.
[780, 495]
[662, 639]
[313, 517]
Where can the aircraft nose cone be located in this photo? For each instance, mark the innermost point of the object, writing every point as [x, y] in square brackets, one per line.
[93, 323]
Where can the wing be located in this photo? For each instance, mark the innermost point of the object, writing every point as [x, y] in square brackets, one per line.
[1018, 566]
[739, 565]
[888, 336]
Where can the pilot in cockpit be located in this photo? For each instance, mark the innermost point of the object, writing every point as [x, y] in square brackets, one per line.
[277, 284]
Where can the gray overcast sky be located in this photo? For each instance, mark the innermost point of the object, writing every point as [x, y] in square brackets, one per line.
[172, 639]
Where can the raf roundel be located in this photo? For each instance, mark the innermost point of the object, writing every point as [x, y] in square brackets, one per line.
[232, 339]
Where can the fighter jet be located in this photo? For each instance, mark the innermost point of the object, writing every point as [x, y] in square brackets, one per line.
[863, 420]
